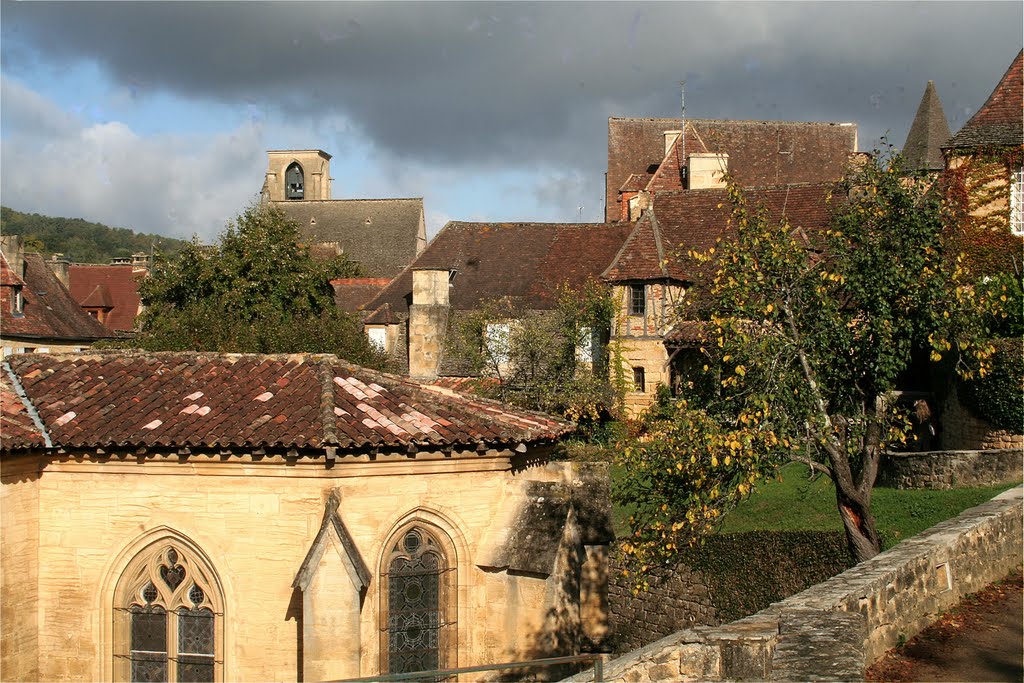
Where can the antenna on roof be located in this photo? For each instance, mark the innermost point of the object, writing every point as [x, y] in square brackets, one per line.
[682, 132]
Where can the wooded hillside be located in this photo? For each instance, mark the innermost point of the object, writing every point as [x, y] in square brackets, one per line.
[79, 240]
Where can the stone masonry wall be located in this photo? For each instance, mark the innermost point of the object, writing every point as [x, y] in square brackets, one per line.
[835, 629]
[678, 598]
[963, 431]
[947, 469]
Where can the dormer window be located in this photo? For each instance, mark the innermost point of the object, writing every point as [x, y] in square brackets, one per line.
[293, 182]
[17, 301]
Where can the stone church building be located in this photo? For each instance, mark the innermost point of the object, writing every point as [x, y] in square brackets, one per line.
[215, 517]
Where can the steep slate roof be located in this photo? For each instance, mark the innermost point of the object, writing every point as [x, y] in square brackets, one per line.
[233, 400]
[381, 234]
[999, 121]
[524, 263]
[352, 293]
[50, 313]
[114, 287]
[928, 133]
[760, 152]
[695, 219]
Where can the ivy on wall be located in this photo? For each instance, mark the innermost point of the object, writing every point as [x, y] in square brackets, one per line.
[998, 397]
[979, 192]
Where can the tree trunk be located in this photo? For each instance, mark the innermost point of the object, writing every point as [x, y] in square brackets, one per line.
[858, 523]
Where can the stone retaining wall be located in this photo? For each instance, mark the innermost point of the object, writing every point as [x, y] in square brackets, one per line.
[950, 469]
[678, 598]
[835, 629]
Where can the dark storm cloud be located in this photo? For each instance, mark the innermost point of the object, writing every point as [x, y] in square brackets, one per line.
[519, 84]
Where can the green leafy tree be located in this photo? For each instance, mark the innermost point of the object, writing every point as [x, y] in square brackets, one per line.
[257, 291]
[809, 335]
[554, 361]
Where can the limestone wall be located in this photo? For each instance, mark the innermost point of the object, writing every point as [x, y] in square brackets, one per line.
[835, 629]
[19, 536]
[949, 469]
[69, 534]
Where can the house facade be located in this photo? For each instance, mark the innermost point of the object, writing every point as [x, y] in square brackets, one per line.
[986, 156]
[239, 517]
[653, 282]
[37, 312]
[468, 266]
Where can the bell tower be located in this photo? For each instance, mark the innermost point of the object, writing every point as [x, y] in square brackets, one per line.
[297, 175]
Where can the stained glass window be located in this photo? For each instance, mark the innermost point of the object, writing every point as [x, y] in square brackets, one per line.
[416, 610]
[171, 613]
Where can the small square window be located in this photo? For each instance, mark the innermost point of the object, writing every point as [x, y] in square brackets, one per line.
[637, 300]
[639, 383]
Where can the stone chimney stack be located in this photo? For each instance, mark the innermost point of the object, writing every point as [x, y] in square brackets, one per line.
[14, 251]
[60, 266]
[428, 322]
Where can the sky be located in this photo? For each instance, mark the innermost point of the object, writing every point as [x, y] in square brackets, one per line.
[156, 116]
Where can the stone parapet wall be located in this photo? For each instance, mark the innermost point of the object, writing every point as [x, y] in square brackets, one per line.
[949, 469]
[835, 629]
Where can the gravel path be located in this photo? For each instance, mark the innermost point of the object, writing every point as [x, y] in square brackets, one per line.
[980, 640]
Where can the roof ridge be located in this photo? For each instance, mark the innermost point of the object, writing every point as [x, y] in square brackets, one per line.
[328, 423]
[25, 401]
[656, 229]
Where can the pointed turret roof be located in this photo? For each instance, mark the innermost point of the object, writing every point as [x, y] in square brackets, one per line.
[999, 121]
[929, 132]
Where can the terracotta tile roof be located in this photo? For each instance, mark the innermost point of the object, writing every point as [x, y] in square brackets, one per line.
[465, 384]
[522, 262]
[381, 234]
[695, 219]
[760, 153]
[928, 133]
[8, 278]
[234, 400]
[351, 294]
[113, 287]
[17, 427]
[49, 310]
[999, 121]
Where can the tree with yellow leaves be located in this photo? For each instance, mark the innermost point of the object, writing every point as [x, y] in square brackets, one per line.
[807, 337]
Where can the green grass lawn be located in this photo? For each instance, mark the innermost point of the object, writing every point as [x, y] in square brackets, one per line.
[795, 503]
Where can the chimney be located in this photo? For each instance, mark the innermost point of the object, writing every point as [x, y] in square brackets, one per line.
[428, 322]
[59, 266]
[14, 251]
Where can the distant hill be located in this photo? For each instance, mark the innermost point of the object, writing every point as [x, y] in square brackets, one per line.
[79, 240]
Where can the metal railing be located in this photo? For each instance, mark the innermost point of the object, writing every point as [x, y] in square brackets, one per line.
[441, 674]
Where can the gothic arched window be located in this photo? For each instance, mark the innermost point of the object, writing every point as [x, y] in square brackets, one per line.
[168, 617]
[293, 187]
[417, 603]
